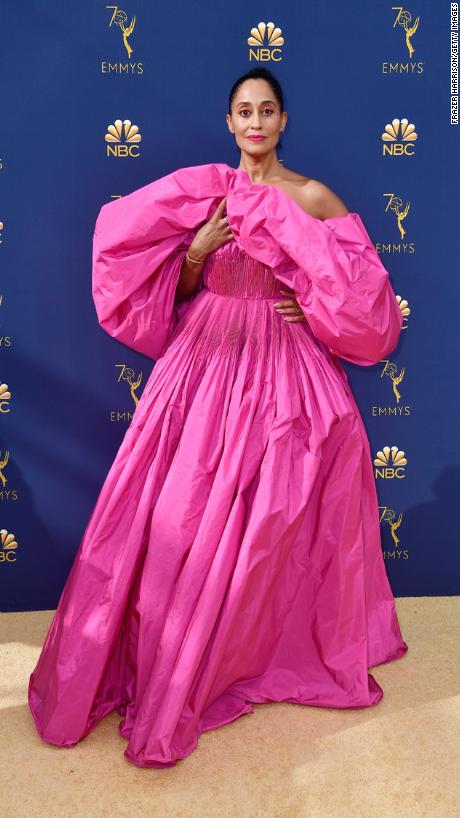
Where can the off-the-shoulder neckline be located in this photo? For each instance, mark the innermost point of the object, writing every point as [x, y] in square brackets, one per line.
[286, 196]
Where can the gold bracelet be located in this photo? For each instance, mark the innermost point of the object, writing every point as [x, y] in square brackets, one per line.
[193, 259]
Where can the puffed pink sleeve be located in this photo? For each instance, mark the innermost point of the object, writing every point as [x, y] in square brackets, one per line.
[338, 278]
[344, 290]
[139, 243]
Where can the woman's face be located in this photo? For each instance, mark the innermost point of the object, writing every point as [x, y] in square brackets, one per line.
[255, 111]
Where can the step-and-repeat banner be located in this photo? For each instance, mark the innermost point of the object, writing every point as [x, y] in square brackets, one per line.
[99, 100]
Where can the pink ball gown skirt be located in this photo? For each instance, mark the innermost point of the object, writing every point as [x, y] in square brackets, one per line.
[233, 555]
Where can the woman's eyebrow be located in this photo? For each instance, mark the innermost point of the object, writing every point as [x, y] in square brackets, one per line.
[260, 103]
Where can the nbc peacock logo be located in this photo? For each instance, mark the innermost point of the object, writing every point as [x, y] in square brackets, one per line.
[8, 546]
[390, 462]
[5, 397]
[398, 138]
[123, 139]
[405, 309]
[265, 41]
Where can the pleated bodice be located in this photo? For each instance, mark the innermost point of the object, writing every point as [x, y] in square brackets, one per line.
[230, 271]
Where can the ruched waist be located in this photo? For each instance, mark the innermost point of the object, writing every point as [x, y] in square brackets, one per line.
[230, 271]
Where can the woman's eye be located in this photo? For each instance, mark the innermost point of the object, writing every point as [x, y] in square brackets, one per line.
[245, 111]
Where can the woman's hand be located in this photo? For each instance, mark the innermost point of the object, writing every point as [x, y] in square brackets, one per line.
[291, 307]
[212, 233]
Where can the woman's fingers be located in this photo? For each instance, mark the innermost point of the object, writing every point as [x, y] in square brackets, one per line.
[287, 306]
[289, 310]
[218, 213]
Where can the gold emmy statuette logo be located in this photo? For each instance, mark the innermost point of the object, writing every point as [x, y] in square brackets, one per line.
[405, 309]
[400, 212]
[266, 38]
[5, 340]
[390, 370]
[127, 375]
[9, 494]
[390, 462]
[395, 205]
[398, 138]
[407, 66]
[123, 139]
[403, 19]
[119, 18]
[5, 396]
[8, 546]
[3, 463]
[388, 516]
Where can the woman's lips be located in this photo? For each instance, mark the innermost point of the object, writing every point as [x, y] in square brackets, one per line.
[256, 138]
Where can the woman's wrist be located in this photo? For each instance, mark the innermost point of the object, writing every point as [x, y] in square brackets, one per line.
[194, 260]
[195, 256]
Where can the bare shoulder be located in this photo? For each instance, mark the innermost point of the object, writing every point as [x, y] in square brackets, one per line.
[313, 196]
[323, 201]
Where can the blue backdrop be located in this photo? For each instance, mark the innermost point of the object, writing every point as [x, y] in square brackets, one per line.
[68, 390]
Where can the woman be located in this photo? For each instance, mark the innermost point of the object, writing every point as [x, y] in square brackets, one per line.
[233, 555]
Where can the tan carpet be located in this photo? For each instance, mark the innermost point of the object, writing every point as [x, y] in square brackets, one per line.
[400, 758]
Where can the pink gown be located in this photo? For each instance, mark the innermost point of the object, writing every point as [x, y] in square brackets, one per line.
[233, 555]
